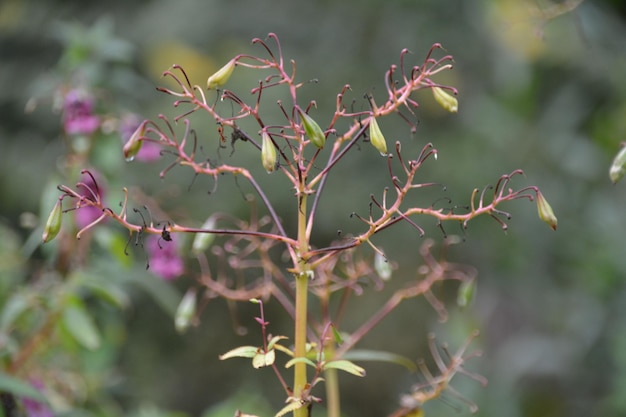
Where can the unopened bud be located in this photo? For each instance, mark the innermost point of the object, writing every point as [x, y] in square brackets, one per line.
[133, 145]
[268, 153]
[618, 167]
[221, 76]
[53, 225]
[186, 311]
[376, 137]
[466, 292]
[445, 99]
[382, 266]
[312, 130]
[545, 211]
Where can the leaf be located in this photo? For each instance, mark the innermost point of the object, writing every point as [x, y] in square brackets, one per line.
[381, 356]
[293, 361]
[346, 366]
[80, 325]
[275, 340]
[240, 352]
[17, 304]
[292, 406]
[262, 359]
[20, 388]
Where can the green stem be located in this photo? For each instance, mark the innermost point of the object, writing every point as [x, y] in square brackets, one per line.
[333, 407]
[302, 289]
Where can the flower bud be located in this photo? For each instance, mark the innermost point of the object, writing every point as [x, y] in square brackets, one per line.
[221, 76]
[312, 130]
[376, 137]
[545, 211]
[53, 225]
[445, 99]
[268, 153]
[618, 167]
[466, 292]
[132, 147]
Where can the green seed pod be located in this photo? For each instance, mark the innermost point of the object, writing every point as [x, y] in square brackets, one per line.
[132, 147]
[376, 137]
[221, 76]
[545, 211]
[445, 99]
[313, 131]
[382, 266]
[618, 167]
[186, 311]
[53, 225]
[268, 153]
[466, 292]
[202, 241]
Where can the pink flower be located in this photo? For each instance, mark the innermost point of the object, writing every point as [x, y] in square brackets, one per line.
[150, 151]
[35, 408]
[78, 117]
[163, 258]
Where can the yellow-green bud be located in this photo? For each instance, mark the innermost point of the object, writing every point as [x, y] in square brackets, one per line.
[618, 167]
[53, 225]
[445, 99]
[268, 153]
[132, 147]
[221, 76]
[545, 211]
[313, 131]
[202, 241]
[376, 137]
[466, 292]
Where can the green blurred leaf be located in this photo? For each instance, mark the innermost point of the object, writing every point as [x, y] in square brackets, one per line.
[380, 356]
[79, 324]
[16, 305]
[20, 388]
[346, 366]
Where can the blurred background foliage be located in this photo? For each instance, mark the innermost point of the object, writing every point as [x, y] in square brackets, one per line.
[542, 88]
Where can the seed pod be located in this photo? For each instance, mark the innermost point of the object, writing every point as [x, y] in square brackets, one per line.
[268, 153]
[618, 167]
[466, 292]
[186, 311]
[313, 131]
[53, 225]
[132, 147]
[376, 137]
[445, 99]
[221, 76]
[202, 241]
[545, 211]
[382, 266]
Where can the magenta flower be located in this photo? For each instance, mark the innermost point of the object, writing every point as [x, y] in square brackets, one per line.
[78, 117]
[163, 258]
[150, 151]
[35, 408]
[91, 188]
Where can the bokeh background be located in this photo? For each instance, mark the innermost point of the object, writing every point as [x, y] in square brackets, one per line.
[541, 88]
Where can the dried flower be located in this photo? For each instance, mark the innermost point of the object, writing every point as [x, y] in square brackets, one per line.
[221, 76]
[90, 188]
[445, 99]
[78, 117]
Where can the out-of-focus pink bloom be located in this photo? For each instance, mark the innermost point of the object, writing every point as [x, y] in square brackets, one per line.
[34, 408]
[87, 214]
[163, 258]
[78, 117]
[150, 151]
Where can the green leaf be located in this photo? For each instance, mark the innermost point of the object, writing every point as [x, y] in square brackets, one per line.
[262, 359]
[20, 388]
[380, 356]
[240, 352]
[17, 304]
[298, 360]
[275, 340]
[346, 366]
[79, 324]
